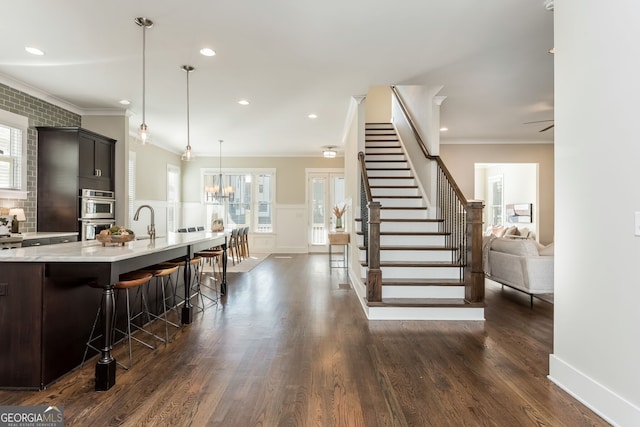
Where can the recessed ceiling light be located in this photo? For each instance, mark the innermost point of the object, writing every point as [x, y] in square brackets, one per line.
[207, 52]
[313, 116]
[444, 129]
[124, 102]
[243, 102]
[34, 50]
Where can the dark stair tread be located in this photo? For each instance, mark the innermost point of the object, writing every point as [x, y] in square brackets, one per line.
[425, 302]
[421, 282]
[405, 220]
[386, 169]
[413, 248]
[396, 197]
[410, 233]
[385, 161]
[393, 186]
[434, 264]
[404, 207]
[391, 177]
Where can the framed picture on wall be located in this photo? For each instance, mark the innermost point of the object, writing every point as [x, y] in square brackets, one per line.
[520, 212]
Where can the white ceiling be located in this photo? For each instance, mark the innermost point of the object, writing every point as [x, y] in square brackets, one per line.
[289, 58]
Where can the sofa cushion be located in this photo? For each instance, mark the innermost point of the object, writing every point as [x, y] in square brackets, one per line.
[520, 247]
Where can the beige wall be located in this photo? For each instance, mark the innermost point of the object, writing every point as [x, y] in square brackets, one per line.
[378, 105]
[290, 174]
[460, 159]
[151, 171]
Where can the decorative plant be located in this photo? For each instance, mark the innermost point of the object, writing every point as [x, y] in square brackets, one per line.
[338, 212]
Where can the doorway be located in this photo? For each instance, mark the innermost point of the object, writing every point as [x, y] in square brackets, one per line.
[325, 189]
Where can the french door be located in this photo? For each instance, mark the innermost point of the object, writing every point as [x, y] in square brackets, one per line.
[324, 190]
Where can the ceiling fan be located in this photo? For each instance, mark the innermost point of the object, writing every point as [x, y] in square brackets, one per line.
[542, 121]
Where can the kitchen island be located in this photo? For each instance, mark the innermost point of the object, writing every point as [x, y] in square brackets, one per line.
[47, 306]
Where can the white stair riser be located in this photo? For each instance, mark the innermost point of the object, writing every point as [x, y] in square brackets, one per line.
[385, 165]
[410, 255]
[420, 227]
[425, 313]
[404, 213]
[400, 172]
[378, 192]
[381, 143]
[404, 203]
[391, 157]
[396, 150]
[380, 134]
[407, 241]
[392, 181]
[420, 272]
[423, 291]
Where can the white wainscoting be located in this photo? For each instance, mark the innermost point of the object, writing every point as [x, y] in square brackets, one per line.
[291, 229]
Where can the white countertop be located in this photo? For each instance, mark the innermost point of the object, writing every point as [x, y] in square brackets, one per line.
[93, 251]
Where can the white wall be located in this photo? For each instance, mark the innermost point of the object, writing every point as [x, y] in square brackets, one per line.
[597, 154]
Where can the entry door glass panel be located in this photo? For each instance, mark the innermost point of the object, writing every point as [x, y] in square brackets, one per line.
[318, 210]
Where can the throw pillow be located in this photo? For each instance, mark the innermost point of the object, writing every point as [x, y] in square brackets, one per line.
[498, 231]
[512, 231]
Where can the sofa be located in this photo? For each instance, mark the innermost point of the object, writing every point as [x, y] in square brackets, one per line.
[522, 264]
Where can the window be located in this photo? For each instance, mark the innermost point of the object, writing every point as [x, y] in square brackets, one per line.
[13, 156]
[241, 198]
[496, 200]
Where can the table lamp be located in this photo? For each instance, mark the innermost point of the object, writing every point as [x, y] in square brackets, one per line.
[18, 215]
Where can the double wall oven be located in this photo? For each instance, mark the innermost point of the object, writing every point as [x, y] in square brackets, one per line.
[97, 212]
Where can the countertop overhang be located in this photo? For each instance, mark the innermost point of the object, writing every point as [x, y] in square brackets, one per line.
[93, 251]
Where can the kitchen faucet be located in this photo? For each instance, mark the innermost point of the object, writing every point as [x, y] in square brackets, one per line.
[151, 229]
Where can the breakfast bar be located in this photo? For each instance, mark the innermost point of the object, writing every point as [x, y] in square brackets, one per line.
[46, 303]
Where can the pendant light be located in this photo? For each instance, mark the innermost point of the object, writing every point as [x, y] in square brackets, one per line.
[188, 155]
[143, 131]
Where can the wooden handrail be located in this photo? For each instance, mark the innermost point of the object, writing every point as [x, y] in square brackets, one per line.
[424, 150]
[365, 176]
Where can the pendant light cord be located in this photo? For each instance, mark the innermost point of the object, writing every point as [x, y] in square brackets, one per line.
[144, 44]
[188, 122]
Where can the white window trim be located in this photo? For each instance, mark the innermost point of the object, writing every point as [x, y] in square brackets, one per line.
[20, 122]
[252, 172]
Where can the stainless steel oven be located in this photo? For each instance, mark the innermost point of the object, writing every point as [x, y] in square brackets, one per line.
[97, 204]
[91, 227]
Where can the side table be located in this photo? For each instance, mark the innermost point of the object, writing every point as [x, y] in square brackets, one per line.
[339, 238]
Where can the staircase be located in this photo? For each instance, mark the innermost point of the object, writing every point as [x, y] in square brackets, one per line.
[422, 276]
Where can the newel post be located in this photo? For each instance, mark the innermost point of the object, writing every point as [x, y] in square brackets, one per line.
[474, 273]
[374, 274]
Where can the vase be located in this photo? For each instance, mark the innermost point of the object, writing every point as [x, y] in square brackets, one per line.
[338, 223]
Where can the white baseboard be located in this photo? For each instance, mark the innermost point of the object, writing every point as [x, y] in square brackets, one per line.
[611, 407]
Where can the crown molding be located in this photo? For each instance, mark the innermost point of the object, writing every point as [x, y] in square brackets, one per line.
[40, 94]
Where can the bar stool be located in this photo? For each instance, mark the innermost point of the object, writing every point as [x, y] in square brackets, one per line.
[245, 242]
[195, 290]
[213, 255]
[233, 245]
[162, 273]
[127, 281]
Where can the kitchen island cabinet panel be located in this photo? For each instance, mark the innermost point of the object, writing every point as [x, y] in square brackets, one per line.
[20, 343]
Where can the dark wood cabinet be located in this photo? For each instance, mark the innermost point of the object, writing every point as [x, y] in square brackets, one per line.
[69, 159]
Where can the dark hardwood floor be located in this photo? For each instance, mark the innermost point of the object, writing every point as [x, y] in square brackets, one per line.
[290, 346]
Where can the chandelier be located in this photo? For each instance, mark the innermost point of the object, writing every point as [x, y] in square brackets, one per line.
[217, 191]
